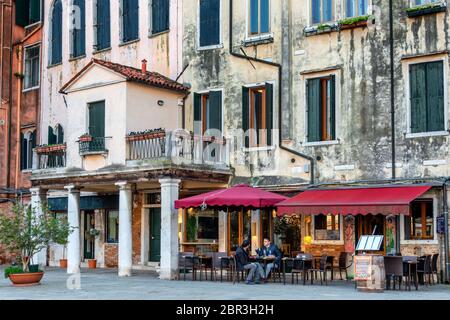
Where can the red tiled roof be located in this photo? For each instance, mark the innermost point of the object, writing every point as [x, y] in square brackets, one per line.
[133, 74]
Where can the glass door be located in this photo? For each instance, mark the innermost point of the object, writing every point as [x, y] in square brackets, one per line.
[89, 239]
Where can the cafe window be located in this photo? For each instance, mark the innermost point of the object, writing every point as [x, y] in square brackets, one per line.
[202, 226]
[239, 228]
[112, 226]
[327, 227]
[266, 225]
[420, 224]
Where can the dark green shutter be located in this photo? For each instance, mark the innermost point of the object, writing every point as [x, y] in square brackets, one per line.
[51, 136]
[35, 11]
[130, 20]
[333, 107]
[215, 110]
[97, 119]
[314, 110]
[160, 15]
[209, 22]
[269, 112]
[56, 54]
[79, 34]
[60, 135]
[23, 152]
[245, 114]
[418, 98]
[435, 97]
[198, 114]
[103, 24]
[22, 12]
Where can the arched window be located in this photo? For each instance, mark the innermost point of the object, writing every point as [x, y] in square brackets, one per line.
[56, 33]
[102, 24]
[56, 135]
[28, 143]
[78, 28]
[129, 20]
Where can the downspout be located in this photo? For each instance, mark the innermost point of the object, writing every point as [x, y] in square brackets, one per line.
[391, 45]
[446, 238]
[9, 131]
[280, 91]
[19, 96]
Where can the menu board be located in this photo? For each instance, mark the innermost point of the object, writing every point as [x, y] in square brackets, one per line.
[370, 243]
[363, 268]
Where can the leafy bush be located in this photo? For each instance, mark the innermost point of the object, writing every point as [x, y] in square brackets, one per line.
[13, 270]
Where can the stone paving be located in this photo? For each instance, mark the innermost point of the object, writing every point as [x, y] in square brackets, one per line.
[105, 284]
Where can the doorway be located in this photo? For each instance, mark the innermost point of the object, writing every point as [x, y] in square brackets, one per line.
[372, 224]
[155, 234]
[89, 240]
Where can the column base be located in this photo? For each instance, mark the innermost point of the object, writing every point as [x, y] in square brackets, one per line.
[124, 272]
[168, 274]
[73, 270]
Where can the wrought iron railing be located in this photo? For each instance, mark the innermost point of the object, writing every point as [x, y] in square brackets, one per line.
[48, 157]
[95, 144]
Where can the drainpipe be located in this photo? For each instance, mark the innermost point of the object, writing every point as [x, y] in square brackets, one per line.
[19, 95]
[446, 238]
[391, 45]
[280, 91]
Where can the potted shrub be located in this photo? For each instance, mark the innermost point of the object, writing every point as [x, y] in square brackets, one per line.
[93, 234]
[26, 233]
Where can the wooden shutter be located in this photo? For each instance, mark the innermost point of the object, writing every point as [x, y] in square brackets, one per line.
[209, 22]
[254, 16]
[35, 11]
[56, 32]
[79, 34]
[103, 24]
[316, 16]
[333, 107]
[245, 114]
[269, 112]
[60, 135]
[215, 22]
[215, 110]
[97, 119]
[23, 151]
[160, 15]
[22, 12]
[265, 16]
[417, 79]
[204, 32]
[51, 136]
[134, 19]
[197, 113]
[327, 10]
[314, 109]
[435, 97]
[130, 18]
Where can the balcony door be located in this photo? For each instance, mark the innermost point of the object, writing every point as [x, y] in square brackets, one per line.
[97, 126]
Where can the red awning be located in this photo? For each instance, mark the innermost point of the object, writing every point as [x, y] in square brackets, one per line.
[388, 200]
[238, 196]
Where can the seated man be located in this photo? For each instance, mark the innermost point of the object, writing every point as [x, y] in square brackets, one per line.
[270, 250]
[242, 261]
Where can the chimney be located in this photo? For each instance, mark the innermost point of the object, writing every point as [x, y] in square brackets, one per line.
[144, 66]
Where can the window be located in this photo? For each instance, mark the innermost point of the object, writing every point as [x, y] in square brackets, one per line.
[159, 16]
[321, 108]
[355, 8]
[202, 226]
[27, 144]
[415, 3]
[97, 119]
[419, 225]
[78, 30]
[327, 227]
[427, 97]
[32, 67]
[28, 12]
[209, 23]
[112, 226]
[130, 20]
[259, 17]
[56, 34]
[239, 228]
[322, 11]
[208, 111]
[257, 110]
[102, 25]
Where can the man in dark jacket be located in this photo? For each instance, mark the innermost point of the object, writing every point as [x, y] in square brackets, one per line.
[270, 250]
[242, 263]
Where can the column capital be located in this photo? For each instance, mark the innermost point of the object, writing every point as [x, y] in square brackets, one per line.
[169, 182]
[123, 185]
[38, 191]
[71, 188]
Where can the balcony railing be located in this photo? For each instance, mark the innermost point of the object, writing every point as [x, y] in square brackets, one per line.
[49, 157]
[179, 146]
[92, 146]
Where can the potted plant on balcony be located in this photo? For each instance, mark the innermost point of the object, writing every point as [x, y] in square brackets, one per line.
[50, 148]
[86, 137]
[92, 234]
[25, 233]
[354, 22]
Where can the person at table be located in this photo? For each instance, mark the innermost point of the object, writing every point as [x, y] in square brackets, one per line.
[242, 260]
[270, 251]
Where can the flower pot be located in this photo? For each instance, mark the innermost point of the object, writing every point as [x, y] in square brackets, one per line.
[85, 139]
[26, 279]
[92, 263]
[63, 263]
[358, 24]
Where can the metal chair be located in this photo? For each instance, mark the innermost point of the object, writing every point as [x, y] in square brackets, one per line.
[342, 265]
[322, 270]
[434, 267]
[220, 262]
[394, 270]
[184, 263]
[424, 268]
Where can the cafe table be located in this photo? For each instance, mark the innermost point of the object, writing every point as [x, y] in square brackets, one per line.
[410, 266]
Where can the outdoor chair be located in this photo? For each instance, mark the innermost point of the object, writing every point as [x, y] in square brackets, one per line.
[184, 263]
[410, 271]
[394, 271]
[301, 266]
[424, 269]
[220, 262]
[342, 265]
[322, 270]
[434, 267]
[205, 264]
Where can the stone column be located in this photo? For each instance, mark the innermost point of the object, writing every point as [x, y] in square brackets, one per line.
[223, 231]
[38, 198]
[169, 229]
[73, 215]
[125, 231]
[256, 230]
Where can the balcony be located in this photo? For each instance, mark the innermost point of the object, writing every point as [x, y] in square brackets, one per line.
[89, 145]
[178, 147]
[50, 156]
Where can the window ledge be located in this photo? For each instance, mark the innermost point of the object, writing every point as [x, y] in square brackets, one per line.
[77, 58]
[129, 42]
[94, 153]
[54, 65]
[31, 89]
[26, 170]
[215, 46]
[154, 35]
[320, 29]
[321, 143]
[101, 50]
[426, 134]
[427, 9]
[255, 149]
[258, 40]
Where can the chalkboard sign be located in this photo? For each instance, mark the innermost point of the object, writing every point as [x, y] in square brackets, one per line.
[440, 224]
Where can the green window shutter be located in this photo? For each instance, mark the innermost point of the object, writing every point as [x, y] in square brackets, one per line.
[60, 135]
[51, 136]
[269, 112]
[245, 114]
[215, 110]
[197, 114]
[333, 107]
[417, 79]
[35, 11]
[97, 119]
[23, 151]
[56, 33]
[435, 97]
[22, 12]
[314, 109]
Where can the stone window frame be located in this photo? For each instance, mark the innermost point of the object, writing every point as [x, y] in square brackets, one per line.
[407, 93]
[435, 240]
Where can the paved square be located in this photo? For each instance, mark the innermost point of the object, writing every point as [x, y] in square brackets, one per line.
[105, 284]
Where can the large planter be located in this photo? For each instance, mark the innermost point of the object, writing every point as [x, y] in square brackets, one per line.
[26, 279]
[420, 11]
[63, 263]
[92, 263]
[359, 24]
[51, 148]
